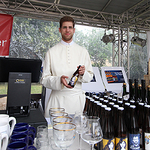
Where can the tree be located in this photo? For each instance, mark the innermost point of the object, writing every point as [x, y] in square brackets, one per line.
[91, 40]
[31, 38]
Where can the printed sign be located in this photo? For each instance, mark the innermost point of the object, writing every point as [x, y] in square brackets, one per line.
[114, 76]
[6, 22]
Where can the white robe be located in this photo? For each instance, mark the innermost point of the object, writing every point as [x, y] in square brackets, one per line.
[63, 60]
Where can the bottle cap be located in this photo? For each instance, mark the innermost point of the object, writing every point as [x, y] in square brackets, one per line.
[116, 106]
[120, 108]
[132, 106]
[108, 108]
[142, 104]
[147, 106]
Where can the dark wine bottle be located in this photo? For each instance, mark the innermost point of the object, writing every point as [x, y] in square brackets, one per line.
[74, 77]
[122, 133]
[108, 131]
[134, 135]
[146, 128]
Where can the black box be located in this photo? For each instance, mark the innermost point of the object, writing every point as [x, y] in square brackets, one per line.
[18, 96]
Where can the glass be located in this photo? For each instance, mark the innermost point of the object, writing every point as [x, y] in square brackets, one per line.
[80, 121]
[42, 140]
[52, 110]
[57, 114]
[94, 133]
[64, 135]
[62, 119]
[56, 109]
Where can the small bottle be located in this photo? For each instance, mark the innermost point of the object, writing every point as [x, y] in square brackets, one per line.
[140, 114]
[146, 128]
[130, 89]
[148, 94]
[124, 89]
[74, 77]
[139, 93]
[108, 131]
[134, 135]
[135, 90]
[122, 134]
[143, 91]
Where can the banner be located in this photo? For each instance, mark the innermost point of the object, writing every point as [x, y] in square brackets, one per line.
[6, 22]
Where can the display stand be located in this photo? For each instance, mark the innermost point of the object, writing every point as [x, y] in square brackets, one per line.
[96, 85]
[113, 78]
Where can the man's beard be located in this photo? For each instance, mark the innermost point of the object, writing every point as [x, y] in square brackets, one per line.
[67, 38]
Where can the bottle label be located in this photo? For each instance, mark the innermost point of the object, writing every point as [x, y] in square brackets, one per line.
[147, 141]
[73, 80]
[122, 143]
[109, 144]
[134, 141]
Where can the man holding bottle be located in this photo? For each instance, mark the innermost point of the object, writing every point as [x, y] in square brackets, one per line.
[60, 63]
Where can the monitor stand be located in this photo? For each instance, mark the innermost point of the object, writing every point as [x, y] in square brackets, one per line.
[19, 94]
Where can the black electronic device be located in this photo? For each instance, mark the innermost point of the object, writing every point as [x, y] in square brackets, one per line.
[18, 95]
[19, 73]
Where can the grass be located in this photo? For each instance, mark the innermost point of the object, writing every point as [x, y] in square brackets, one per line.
[35, 88]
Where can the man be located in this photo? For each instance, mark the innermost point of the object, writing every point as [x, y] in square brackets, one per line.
[61, 61]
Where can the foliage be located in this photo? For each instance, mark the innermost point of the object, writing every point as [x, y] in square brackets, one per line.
[31, 38]
[138, 60]
[91, 40]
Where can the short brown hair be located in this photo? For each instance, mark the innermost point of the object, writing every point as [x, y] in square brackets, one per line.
[66, 18]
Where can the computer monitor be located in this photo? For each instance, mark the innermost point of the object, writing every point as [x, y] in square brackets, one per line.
[113, 78]
[8, 65]
[96, 84]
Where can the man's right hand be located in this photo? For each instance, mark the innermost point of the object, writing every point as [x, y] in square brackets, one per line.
[64, 82]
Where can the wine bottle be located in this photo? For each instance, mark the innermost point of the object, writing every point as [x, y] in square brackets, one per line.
[130, 90]
[148, 94]
[134, 135]
[140, 93]
[143, 91]
[146, 128]
[124, 89]
[108, 131]
[122, 134]
[74, 77]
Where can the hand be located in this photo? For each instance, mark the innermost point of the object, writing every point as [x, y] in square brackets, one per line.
[64, 82]
[82, 70]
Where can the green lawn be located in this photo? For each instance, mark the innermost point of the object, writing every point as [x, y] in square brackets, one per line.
[35, 88]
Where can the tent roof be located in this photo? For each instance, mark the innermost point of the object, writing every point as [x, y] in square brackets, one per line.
[133, 14]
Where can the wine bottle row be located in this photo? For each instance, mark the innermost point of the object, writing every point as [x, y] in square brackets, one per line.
[125, 121]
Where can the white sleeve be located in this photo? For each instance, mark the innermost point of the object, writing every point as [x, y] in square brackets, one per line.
[48, 80]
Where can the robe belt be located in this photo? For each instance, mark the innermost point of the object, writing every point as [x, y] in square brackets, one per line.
[68, 92]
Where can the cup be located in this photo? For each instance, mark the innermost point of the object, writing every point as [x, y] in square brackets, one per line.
[57, 114]
[22, 138]
[26, 125]
[5, 128]
[11, 121]
[30, 131]
[3, 141]
[62, 119]
[56, 109]
[18, 145]
[21, 124]
[42, 140]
